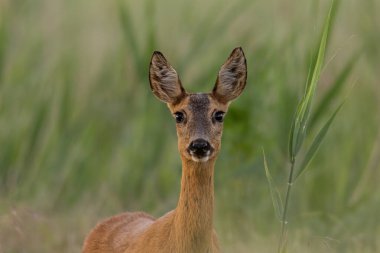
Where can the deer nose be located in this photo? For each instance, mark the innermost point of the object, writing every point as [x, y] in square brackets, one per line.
[200, 147]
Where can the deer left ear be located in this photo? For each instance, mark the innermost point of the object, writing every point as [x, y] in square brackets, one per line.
[232, 77]
[164, 80]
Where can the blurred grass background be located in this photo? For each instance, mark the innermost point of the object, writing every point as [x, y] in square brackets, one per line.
[83, 138]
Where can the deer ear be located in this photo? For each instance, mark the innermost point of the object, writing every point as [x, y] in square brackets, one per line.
[164, 80]
[232, 77]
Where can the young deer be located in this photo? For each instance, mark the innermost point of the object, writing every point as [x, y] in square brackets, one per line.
[199, 118]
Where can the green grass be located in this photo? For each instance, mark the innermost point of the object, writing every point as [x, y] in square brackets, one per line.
[82, 137]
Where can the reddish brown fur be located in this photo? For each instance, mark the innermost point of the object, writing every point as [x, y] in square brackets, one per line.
[189, 227]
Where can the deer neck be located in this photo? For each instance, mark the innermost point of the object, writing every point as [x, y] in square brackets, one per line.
[193, 221]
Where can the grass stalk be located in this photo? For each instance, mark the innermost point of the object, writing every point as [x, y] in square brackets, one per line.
[301, 122]
[285, 210]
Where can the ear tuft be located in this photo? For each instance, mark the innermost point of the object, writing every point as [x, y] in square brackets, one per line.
[164, 80]
[232, 77]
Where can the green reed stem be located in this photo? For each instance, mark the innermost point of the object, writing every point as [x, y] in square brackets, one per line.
[285, 210]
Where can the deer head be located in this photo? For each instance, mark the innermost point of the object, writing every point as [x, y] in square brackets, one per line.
[199, 116]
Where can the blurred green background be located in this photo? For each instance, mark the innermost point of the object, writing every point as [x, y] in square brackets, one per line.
[83, 138]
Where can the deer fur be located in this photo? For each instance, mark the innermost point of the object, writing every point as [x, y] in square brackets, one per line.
[189, 227]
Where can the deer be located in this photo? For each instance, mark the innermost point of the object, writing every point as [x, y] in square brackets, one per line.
[199, 123]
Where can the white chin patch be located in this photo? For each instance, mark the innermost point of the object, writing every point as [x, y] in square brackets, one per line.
[202, 160]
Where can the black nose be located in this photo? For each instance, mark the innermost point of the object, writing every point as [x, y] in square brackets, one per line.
[199, 147]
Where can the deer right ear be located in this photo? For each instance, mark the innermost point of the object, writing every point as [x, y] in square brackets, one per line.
[164, 80]
[232, 77]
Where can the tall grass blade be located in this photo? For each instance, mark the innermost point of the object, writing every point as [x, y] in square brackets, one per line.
[130, 36]
[150, 26]
[274, 193]
[304, 111]
[3, 39]
[316, 143]
[332, 93]
[334, 7]
[299, 124]
[292, 140]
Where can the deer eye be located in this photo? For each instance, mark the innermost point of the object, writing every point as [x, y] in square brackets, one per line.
[179, 117]
[219, 116]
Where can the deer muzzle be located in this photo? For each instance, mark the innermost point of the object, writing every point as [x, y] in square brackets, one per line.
[200, 150]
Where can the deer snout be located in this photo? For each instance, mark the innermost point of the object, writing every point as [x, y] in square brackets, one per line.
[200, 148]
